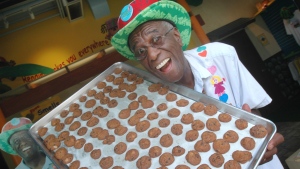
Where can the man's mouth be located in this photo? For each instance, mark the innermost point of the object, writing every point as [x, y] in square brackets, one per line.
[26, 148]
[163, 64]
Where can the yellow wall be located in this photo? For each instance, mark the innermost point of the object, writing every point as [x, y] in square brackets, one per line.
[53, 42]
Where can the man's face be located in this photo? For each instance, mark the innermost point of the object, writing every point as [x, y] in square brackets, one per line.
[23, 144]
[166, 60]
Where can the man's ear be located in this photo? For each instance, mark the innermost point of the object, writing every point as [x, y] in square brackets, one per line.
[177, 36]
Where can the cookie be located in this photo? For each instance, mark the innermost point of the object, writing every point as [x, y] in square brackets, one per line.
[112, 103]
[232, 164]
[123, 86]
[121, 94]
[142, 126]
[92, 121]
[142, 98]
[70, 141]
[95, 132]
[140, 113]
[182, 103]
[101, 85]
[221, 146]
[202, 146]
[90, 103]
[147, 104]
[231, 136]
[53, 144]
[155, 151]
[154, 132]
[132, 96]
[197, 107]
[79, 143]
[166, 140]
[74, 126]
[203, 166]
[197, 125]
[42, 131]
[258, 131]
[103, 134]
[193, 157]
[130, 137]
[131, 87]
[86, 116]
[242, 156]
[49, 138]
[154, 87]
[143, 162]
[178, 151]
[117, 167]
[191, 135]
[162, 107]
[248, 143]
[152, 116]
[64, 113]
[176, 129]
[73, 107]
[213, 124]
[59, 127]
[170, 97]
[60, 153]
[106, 162]
[91, 92]
[133, 105]
[110, 78]
[139, 80]
[69, 120]
[77, 113]
[109, 139]
[210, 109]
[88, 147]
[55, 121]
[164, 122]
[208, 136]
[216, 160]
[120, 130]
[75, 164]
[187, 118]
[144, 143]
[241, 124]
[118, 81]
[131, 77]
[120, 148]
[174, 112]
[163, 90]
[95, 154]
[133, 120]
[117, 71]
[107, 89]
[68, 158]
[113, 123]
[63, 135]
[124, 113]
[82, 98]
[166, 159]
[101, 112]
[100, 95]
[224, 117]
[131, 155]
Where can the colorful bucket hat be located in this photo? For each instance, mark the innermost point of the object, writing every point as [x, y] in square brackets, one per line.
[141, 11]
[9, 128]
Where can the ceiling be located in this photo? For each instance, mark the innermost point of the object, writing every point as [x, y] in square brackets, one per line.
[13, 11]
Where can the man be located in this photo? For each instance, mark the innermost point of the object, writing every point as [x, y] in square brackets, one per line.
[156, 32]
[15, 139]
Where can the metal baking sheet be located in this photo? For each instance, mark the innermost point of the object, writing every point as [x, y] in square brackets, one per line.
[182, 92]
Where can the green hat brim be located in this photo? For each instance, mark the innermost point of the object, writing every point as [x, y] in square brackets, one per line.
[4, 136]
[161, 10]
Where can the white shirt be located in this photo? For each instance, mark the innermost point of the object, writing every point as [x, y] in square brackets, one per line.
[219, 73]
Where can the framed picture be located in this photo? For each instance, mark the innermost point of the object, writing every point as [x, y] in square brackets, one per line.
[263, 40]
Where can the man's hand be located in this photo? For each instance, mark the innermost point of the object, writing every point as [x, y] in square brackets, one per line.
[272, 145]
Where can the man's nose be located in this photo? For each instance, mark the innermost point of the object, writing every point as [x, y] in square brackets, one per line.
[153, 52]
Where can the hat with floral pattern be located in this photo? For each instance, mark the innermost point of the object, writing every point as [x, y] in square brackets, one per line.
[9, 128]
[141, 11]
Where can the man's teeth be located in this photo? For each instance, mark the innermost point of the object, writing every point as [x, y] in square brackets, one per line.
[163, 63]
[26, 148]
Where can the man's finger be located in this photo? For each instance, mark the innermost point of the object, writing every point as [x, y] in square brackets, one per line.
[276, 140]
[246, 107]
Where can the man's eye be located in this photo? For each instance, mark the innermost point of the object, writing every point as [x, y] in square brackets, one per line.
[141, 51]
[156, 39]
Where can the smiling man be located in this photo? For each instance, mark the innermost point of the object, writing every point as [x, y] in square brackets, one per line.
[15, 139]
[157, 33]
